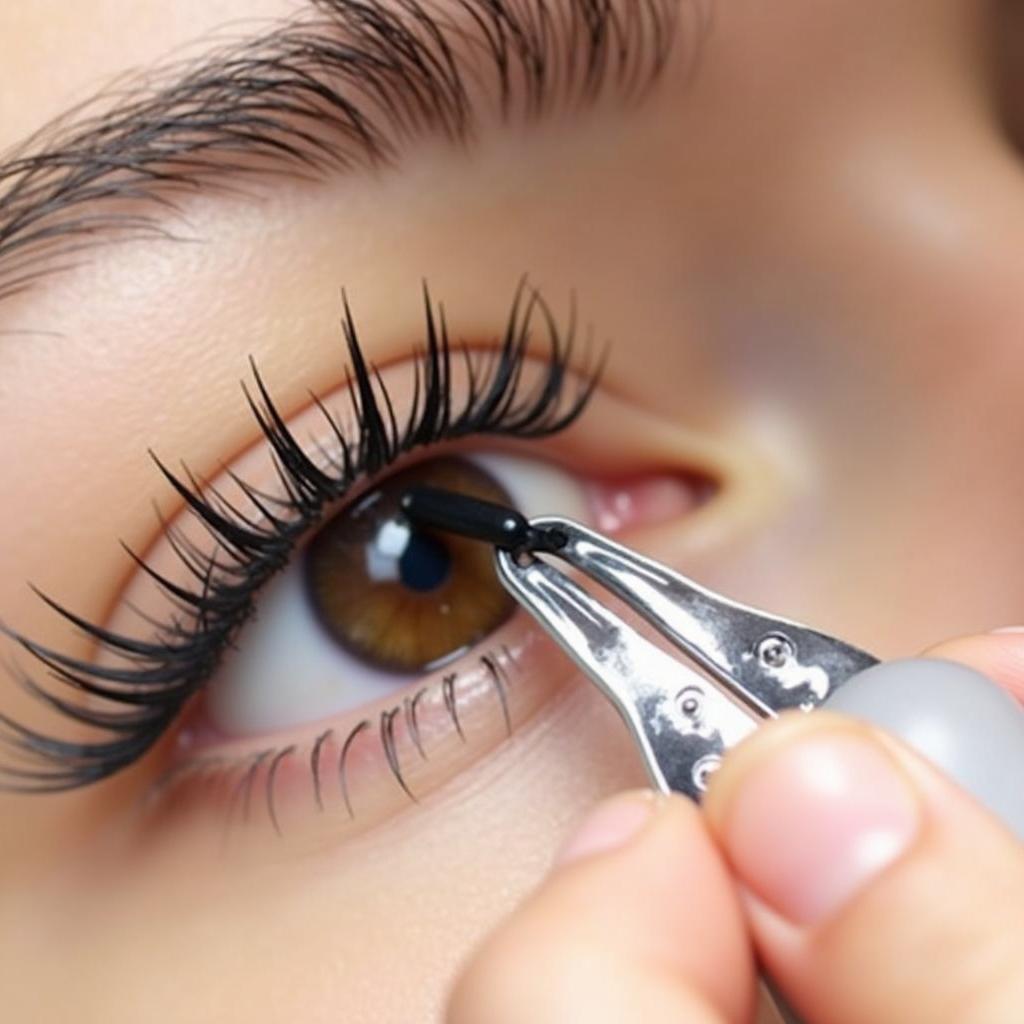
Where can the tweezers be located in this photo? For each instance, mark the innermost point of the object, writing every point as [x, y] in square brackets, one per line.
[739, 665]
[752, 665]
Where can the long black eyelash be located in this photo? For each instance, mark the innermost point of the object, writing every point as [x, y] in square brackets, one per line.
[146, 690]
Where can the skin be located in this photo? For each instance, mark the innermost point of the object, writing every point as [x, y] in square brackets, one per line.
[814, 241]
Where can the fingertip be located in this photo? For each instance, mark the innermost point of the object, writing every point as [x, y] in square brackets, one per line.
[854, 853]
[610, 825]
[666, 898]
[639, 888]
[817, 819]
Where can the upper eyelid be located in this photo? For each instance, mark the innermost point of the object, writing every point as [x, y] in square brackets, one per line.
[342, 89]
[173, 666]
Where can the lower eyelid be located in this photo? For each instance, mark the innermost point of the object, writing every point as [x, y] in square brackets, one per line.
[409, 745]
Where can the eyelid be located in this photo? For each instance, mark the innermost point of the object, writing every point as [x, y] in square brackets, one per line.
[147, 682]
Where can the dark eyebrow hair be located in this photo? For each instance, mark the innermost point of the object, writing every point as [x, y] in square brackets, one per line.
[345, 85]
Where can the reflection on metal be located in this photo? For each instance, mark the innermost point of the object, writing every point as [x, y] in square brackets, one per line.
[752, 665]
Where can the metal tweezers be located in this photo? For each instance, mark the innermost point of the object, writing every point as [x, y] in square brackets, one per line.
[753, 665]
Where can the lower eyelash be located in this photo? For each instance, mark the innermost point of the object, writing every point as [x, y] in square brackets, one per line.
[144, 694]
[231, 783]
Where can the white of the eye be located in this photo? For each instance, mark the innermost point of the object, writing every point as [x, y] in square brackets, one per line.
[287, 670]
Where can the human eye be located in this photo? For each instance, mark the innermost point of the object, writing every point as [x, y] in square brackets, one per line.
[374, 601]
[290, 648]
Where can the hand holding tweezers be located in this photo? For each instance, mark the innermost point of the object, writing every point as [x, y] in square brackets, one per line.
[752, 665]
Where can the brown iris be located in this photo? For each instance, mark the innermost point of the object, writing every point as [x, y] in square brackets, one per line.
[400, 597]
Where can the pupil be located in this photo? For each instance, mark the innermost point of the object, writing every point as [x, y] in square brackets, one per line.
[425, 563]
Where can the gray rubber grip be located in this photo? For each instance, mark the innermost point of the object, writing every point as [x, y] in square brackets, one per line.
[957, 718]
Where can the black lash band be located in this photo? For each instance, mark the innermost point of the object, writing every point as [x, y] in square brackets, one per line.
[145, 691]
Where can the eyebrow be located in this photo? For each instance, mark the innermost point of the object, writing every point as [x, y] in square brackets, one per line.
[346, 85]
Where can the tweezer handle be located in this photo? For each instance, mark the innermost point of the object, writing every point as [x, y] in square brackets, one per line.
[765, 662]
[958, 719]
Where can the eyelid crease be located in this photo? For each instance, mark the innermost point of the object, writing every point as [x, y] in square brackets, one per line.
[338, 90]
[143, 692]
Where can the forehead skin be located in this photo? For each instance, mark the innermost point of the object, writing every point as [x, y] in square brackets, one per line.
[806, 249]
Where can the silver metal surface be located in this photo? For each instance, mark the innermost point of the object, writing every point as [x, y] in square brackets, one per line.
[677, 718]
[682, 721]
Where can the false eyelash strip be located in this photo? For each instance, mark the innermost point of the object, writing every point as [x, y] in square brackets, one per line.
[129, 705]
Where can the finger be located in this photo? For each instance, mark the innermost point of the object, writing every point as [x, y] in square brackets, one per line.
[999, 655]
[639, 921]
[876, 890]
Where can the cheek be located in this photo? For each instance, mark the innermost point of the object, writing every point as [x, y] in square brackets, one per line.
[375, 929]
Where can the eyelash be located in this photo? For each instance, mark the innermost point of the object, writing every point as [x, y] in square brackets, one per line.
[231, 781]
[167, 670]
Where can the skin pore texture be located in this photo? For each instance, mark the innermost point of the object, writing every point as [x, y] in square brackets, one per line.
[805, 247]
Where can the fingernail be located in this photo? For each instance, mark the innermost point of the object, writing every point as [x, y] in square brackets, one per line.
[610, 825]
[816, 821]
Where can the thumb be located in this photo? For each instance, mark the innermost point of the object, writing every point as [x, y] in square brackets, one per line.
[876, 889]
[639, 921]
